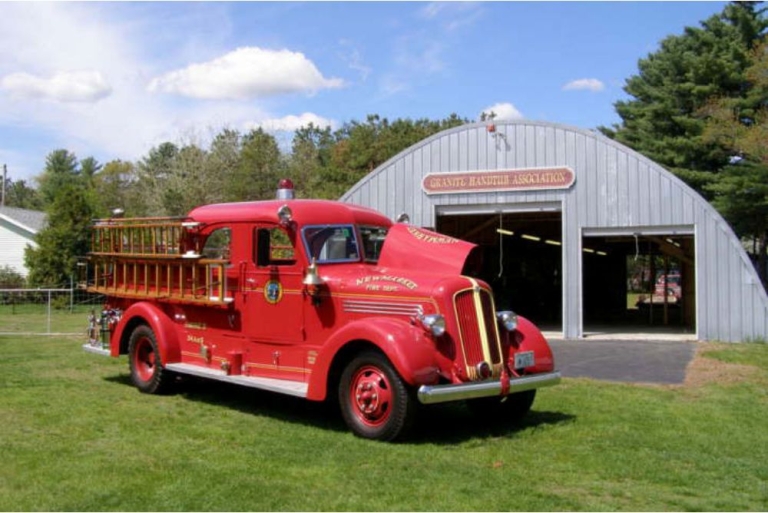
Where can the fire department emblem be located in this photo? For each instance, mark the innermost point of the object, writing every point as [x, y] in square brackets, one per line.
[273, 292]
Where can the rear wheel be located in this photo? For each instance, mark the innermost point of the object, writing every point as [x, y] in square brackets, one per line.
[375, 402]
[147, 371]
[513, 409]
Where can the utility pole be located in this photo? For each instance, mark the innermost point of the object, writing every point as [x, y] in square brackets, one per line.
[5, 173]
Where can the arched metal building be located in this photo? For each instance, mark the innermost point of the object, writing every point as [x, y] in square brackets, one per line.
[563, 215]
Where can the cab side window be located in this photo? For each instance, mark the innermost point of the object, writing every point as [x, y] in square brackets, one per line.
[273, 247]
[218, 244]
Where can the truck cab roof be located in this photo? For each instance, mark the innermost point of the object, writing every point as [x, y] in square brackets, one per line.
[305, 212]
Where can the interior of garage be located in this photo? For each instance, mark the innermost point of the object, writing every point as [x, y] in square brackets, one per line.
[522, 260]
[639, 283]
[631, 283]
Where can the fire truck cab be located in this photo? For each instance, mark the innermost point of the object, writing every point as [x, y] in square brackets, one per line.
[315, 299]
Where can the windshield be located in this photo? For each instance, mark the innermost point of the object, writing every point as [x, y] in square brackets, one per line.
[331, 243]
[339, 243]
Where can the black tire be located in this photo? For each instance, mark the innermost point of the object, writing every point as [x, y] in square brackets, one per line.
[147, 371]
[513, 409]
[374, 400]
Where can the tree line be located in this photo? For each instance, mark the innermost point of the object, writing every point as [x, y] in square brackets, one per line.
[172, 178]
[698, 106]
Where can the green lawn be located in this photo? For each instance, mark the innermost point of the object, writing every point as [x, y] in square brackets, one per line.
[38, 318]
[75, 435]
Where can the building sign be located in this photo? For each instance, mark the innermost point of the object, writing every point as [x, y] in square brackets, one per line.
[499, 181]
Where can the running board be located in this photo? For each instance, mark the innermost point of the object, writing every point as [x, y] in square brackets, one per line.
[294, 388]
[88, 348]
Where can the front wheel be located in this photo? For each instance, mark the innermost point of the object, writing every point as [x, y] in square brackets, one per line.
[147, 371]
[375, 401]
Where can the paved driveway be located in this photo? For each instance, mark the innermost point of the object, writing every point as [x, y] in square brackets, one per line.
[636, 361]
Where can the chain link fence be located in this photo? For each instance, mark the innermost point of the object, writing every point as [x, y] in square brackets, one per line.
[63, 311]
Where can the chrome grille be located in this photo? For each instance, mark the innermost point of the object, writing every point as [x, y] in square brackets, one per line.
[477, 330]
[490, 327]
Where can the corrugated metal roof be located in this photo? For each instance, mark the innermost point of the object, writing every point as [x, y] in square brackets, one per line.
[615, 188]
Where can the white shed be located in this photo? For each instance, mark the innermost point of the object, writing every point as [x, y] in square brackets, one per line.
[18, 228]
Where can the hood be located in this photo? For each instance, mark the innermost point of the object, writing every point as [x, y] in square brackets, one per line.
[408, 247]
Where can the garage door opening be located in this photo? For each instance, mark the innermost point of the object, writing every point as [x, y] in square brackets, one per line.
[639, 284]
[522, 260]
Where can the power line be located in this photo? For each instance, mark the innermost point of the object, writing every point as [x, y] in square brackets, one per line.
[5, 173]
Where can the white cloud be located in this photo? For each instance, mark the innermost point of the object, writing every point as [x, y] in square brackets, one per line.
[503, 111]
[247, 72]
[452, 15]
[126, 123]
[354, 59]
[584, 84]
[291, 123]
[66, 86]
[416, 59]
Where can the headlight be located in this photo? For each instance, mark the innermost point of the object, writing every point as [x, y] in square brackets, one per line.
[434, 323]
[508, 319]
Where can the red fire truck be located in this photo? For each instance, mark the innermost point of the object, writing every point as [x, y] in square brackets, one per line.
[315, 299]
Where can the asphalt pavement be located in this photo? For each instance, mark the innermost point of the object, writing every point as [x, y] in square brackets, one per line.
[634, 361]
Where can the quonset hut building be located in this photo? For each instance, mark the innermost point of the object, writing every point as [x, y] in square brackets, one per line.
[563, 215]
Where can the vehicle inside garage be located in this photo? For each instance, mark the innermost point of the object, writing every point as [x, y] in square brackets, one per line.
[639, 282]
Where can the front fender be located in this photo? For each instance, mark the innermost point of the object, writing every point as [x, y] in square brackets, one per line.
[410, 349]
[155, 318]
[531, 339]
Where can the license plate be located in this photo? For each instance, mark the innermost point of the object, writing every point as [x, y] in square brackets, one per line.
[524, 359]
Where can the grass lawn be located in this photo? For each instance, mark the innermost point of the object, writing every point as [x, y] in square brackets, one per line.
[38, 318]
[75, 435]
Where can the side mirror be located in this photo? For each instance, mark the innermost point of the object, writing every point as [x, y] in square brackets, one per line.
[285, 215]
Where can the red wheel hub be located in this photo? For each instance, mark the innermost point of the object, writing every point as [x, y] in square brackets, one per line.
[144, 359]
[371, 395]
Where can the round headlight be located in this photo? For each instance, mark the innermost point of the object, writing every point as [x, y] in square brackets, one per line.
[434, 323]
[508, 319]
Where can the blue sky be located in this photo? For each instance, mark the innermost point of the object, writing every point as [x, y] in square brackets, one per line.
[112, 80]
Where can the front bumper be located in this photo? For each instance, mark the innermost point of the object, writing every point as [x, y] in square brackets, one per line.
[431, 394]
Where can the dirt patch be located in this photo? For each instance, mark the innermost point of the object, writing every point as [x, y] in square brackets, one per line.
[703, 370]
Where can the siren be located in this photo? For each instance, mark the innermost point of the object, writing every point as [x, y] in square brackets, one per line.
[285, 189]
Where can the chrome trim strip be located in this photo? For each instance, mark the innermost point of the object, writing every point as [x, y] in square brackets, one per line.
[378, 307]
[431, 394]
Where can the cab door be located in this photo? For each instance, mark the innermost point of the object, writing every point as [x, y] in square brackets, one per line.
[274, 301]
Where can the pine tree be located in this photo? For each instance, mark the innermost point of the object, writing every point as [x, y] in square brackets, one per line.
[663, 119]
[63, 240]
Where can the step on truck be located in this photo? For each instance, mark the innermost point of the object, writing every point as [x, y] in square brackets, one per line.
[314, 299]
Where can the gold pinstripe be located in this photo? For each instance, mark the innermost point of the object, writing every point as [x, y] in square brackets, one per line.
[275, 367]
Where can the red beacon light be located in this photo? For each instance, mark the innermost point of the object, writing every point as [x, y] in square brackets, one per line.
[285, 189]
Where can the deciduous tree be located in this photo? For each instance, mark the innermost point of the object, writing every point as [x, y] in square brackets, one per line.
[740, 125]
[259, 169]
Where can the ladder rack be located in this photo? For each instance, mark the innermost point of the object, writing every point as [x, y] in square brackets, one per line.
[145, 258]
[150, 236]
